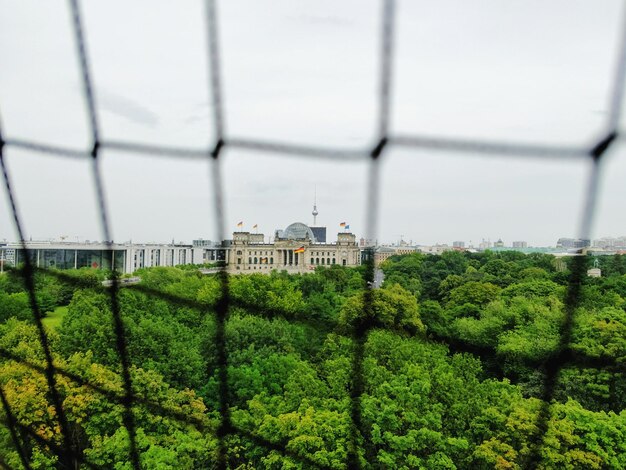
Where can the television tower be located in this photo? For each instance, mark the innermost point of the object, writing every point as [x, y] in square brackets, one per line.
[314, 213]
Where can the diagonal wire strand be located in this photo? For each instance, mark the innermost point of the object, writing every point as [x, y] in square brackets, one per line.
[222, 307]
[13, 425]
[153, 150]
[221, 310]
[617, 92]
[46, 149]
[48, 444]
[111, 395]
[553, 366]
[122, 349]
[295, 150]
[489, 147]
[215, 85]
[29, 282]
[359, 433]
[386, 68]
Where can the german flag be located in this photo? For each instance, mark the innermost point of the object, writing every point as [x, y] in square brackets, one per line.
[299, 250]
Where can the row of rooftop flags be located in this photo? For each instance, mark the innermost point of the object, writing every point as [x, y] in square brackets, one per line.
[343, 225]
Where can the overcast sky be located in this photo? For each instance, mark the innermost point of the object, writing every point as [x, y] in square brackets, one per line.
[307, 73]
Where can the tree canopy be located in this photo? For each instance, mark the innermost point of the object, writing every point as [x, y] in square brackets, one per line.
[445, 366]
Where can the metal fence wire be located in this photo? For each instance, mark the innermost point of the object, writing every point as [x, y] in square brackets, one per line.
[384, 138]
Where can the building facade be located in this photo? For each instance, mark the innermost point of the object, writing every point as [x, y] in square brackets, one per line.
[295, 249]
[573, 243]
[124, 257]
[382, 253]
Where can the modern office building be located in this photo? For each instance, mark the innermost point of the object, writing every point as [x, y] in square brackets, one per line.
[573, 243]
[125, 257]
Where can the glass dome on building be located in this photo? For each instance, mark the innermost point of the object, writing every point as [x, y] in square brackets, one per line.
[298, 231]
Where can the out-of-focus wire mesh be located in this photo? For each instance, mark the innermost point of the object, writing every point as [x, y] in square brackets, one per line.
[384, 138]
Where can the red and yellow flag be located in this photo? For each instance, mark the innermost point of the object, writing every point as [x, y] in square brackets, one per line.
[299, 250]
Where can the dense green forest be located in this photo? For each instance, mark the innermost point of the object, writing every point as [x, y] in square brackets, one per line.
[453, 369]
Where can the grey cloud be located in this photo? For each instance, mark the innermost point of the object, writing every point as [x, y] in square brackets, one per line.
[127, 108]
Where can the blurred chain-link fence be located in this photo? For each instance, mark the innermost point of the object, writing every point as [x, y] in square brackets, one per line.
[384, 139]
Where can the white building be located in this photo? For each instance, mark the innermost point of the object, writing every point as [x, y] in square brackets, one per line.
[125, 257]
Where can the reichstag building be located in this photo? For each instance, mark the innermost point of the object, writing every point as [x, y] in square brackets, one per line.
[297, 249]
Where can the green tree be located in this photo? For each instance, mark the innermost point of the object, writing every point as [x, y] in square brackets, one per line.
[15, 306]
[474, 293]
[94, 419]
[392, 307]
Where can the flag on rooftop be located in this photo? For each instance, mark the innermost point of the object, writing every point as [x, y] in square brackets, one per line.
[347, 227]
[255, 226]
[342, 224]
[240, 224]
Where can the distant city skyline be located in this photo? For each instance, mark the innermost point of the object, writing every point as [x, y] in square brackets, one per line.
[269, 236]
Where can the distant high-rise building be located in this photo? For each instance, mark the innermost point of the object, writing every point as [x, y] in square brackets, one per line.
[484, 245]
[458, 244]
[520, 245]
[610, 243]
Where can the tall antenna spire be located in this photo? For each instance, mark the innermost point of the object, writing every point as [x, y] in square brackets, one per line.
[315, 208]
